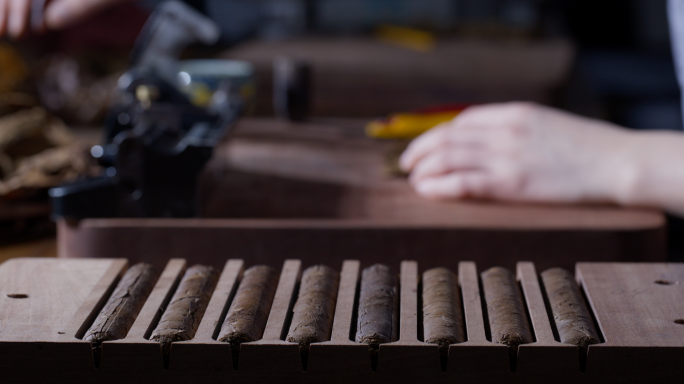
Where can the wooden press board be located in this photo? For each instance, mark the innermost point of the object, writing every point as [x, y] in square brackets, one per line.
[635, 306]
[276, 190]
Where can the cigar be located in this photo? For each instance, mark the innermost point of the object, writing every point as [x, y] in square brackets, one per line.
[124, 305]
[247, 315]
[184, 314]
[507, 315]
[315, 307]
[573, 321]
[377, 314]
[442, 317]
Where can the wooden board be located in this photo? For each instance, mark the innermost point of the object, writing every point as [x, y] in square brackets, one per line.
[637, 305]
[39, 296]
[640, 339]
[320, 191]
[365, 77]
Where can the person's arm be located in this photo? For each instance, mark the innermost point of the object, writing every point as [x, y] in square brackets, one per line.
[58, 14]
[526, 152]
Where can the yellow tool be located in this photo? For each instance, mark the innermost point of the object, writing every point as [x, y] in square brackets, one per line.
[411, 124]
[410, 38]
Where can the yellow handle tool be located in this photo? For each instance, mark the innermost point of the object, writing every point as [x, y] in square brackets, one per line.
[407, 125]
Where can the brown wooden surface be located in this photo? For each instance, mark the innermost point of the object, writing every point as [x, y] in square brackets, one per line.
[49, 292]
[320, 192]
[366, 77]
[640, 339]
[636, 305]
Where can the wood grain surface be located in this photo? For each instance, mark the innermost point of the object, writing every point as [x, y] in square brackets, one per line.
[641, 339]
[355, 76]
[39, 296]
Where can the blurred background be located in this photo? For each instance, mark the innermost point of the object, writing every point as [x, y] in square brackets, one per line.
[608, 59]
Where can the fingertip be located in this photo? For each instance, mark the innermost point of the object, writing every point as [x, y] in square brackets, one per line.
[58, 14]
[429, 188]
[405, 161]
[3, 18]
[422, 187]
[17, 15]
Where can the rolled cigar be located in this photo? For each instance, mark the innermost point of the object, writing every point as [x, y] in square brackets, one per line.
[442, 317]
[124, 305]
[507, 316]
[315, 307]
[183, 315]
[377, 315]
[573, 321]
[246, 318]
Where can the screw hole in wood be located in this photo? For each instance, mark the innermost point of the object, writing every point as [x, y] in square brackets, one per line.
[17, 295]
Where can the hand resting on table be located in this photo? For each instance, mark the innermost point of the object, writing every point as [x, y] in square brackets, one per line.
[526, 152]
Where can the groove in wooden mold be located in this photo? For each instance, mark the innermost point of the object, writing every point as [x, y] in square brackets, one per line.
[173, 271]
[419, 312]
[485, 312]
[248, 313]
[378, 309]
[117, 316]
[355, 312]
[234, 268]
[344, 321]
[570, 313]
[283, 301]
[528, 317]
[182, 317]
[592, 313]
[508, 318]
[442, 311]
[463, 318]
[547, 306]
[314, 310]
[86, 314]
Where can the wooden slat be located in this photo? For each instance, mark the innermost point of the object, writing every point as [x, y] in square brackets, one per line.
[340, 357]
[408, 315]
[546, 359]
[635, 304]
[92, 305]
[478, 359]
[344, 308]
[219, 303]
[203, 353]
[283, 300]
[37, 333]
[539, 317]
[56, 289]
[472, 302]
[282, 358]
[627, 296]
[147, 354]
[408, 359]
[636, 313]
[160, 296]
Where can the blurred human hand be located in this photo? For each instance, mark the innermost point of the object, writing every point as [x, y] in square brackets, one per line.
[523, 152]
[58, 14]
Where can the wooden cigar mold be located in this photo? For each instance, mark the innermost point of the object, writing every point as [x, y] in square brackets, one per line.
[635, 310]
